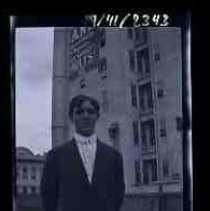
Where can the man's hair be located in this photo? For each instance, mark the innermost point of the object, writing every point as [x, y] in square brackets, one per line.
[79, 100]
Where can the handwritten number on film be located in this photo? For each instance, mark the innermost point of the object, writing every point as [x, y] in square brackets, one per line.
[165, 20]
[135, 19]
[146, 19]
[156, 19]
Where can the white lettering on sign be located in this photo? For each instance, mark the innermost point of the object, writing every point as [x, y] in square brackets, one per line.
[78, 32]
[83, 49]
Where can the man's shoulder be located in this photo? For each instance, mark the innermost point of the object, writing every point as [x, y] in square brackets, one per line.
[57, 150]
[110, 149]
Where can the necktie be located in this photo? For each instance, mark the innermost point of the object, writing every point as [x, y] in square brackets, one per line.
[88, 158]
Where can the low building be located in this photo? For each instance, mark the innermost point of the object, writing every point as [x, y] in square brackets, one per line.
[28, 176]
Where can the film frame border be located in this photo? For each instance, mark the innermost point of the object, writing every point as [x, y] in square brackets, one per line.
[182, 21]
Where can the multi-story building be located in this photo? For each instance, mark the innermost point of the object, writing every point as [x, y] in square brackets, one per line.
[28, 176]
[136, 75]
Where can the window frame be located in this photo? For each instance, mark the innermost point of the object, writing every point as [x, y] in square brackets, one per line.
[33, 173]
[137, 167]
[134, 94]
[163, 127]
[103, 64]
[25, 173]
[136, 136]
[132, 65]
[142, 55]
[146, 101]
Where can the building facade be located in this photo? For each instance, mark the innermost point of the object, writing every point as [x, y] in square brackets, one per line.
[136, 75]
[28, 176]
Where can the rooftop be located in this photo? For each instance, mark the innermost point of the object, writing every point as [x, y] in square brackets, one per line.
[23, 153]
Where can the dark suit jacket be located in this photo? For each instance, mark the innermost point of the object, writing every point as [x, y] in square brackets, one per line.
[65, 184]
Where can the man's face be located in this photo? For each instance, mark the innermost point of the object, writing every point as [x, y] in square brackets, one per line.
[85, 118]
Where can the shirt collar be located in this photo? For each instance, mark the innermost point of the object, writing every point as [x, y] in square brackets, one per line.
[81, 139]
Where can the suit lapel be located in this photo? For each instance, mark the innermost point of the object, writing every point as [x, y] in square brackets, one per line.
[79, 161]
[97, 163]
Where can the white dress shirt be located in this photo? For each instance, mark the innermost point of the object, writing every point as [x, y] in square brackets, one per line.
[87, 150]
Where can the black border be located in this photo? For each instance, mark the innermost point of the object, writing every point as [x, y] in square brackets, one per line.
[7, 142]
[201, 108]
[201, 105]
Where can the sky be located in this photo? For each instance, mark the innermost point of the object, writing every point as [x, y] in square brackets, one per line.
[33, 88]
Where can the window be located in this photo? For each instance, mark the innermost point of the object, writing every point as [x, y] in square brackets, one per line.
[25, 190]
[136, 132]
[161, 89]
[160, 93]
[145, 97]
[130, 33]
[139, 61]
[104, 100]
[149, 99]
[33, 173]
[143, 135]
[141, 35]
[82, 83]
[103, 76]
[157, 52]
[137, 172]
[137, 34]
[82, 86]
[152, 132]
[176, 176]
[142, 99]
[73, 68]
[144, 35]
[83, 60]
[102, 37]
[133, 95]
[143, 64]
[157, 56]
[114, 131]
[131, 60]
[148, 134]
[18, 172]
[165, 168]
[162, 127]
[25, 173]
[33, 190]
[150, 171]
[179, 123]
[103, 64]
[40, 170]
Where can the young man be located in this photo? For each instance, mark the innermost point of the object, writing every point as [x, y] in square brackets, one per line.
[83, 174]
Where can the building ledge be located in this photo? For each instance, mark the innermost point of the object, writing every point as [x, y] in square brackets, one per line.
[156, 188]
